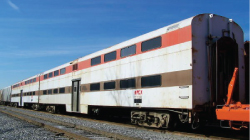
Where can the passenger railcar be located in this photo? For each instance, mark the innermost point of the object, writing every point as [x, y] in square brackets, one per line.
[5, 95]
[178, 71]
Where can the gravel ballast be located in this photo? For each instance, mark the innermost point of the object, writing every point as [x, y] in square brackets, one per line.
[128, 131]
[14, 129]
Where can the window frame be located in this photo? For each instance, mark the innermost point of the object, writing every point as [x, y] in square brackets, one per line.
[145, 48]
[63, 71]
[50, 75]
[54, 91]
[105, 85]
[110, 54]
[91, 86]
[151, 76]
[127, 48]
[45, 92]
[127, 80]
[49, 91]
[93, 60]
[45, 76]
[56, 74]
[61, 89]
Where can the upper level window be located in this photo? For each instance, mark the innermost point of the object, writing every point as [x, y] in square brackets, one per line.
[62, 71]
[51, 74]
[56, 72]
[151, 44]
[128, 51]
[96, 60]
[109, 85]
[127, 83]
[151, 81]
[45, 76]
[31, 80]
[110, 56]
[95, 86]
[34, 80]
[75, 66]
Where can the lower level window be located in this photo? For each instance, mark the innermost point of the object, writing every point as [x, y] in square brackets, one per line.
[151, 81]
[109, 85]
[95, 86]
[62, 90]
[44, 92]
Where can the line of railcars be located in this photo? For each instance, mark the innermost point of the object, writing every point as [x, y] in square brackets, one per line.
[176, 73]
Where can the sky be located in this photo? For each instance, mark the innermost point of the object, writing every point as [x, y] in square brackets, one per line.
[38, 35]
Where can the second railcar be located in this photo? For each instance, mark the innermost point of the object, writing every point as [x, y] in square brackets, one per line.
[5, 95]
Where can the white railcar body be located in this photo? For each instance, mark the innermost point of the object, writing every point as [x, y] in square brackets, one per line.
[183, 67]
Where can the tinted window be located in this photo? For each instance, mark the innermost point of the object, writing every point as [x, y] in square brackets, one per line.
[62, 90]
[45, 76]
[151, 81]
[128, 83]
[109, 85]
[96, 60]
[34, 80]
[151, 44]
[128, 51]
[50, 91]
[62, 71]
[110, 56]
[51, 74]
[56, 73]
[44, 92]
[95, 86]
[34, 93]
[55, 91]
[75, 67]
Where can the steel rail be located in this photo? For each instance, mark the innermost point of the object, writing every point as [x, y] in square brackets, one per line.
[72, 125]
[46, 126]
[174, 132]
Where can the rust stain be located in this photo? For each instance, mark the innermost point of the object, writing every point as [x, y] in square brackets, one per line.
[194, 50]
[200, 18]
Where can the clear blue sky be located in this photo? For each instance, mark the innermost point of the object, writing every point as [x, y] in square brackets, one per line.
[37, 35]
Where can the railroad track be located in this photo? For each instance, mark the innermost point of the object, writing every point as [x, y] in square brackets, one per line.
[70, 130]
[93, 133]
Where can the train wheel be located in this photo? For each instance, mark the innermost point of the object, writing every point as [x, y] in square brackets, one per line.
[195, 124]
